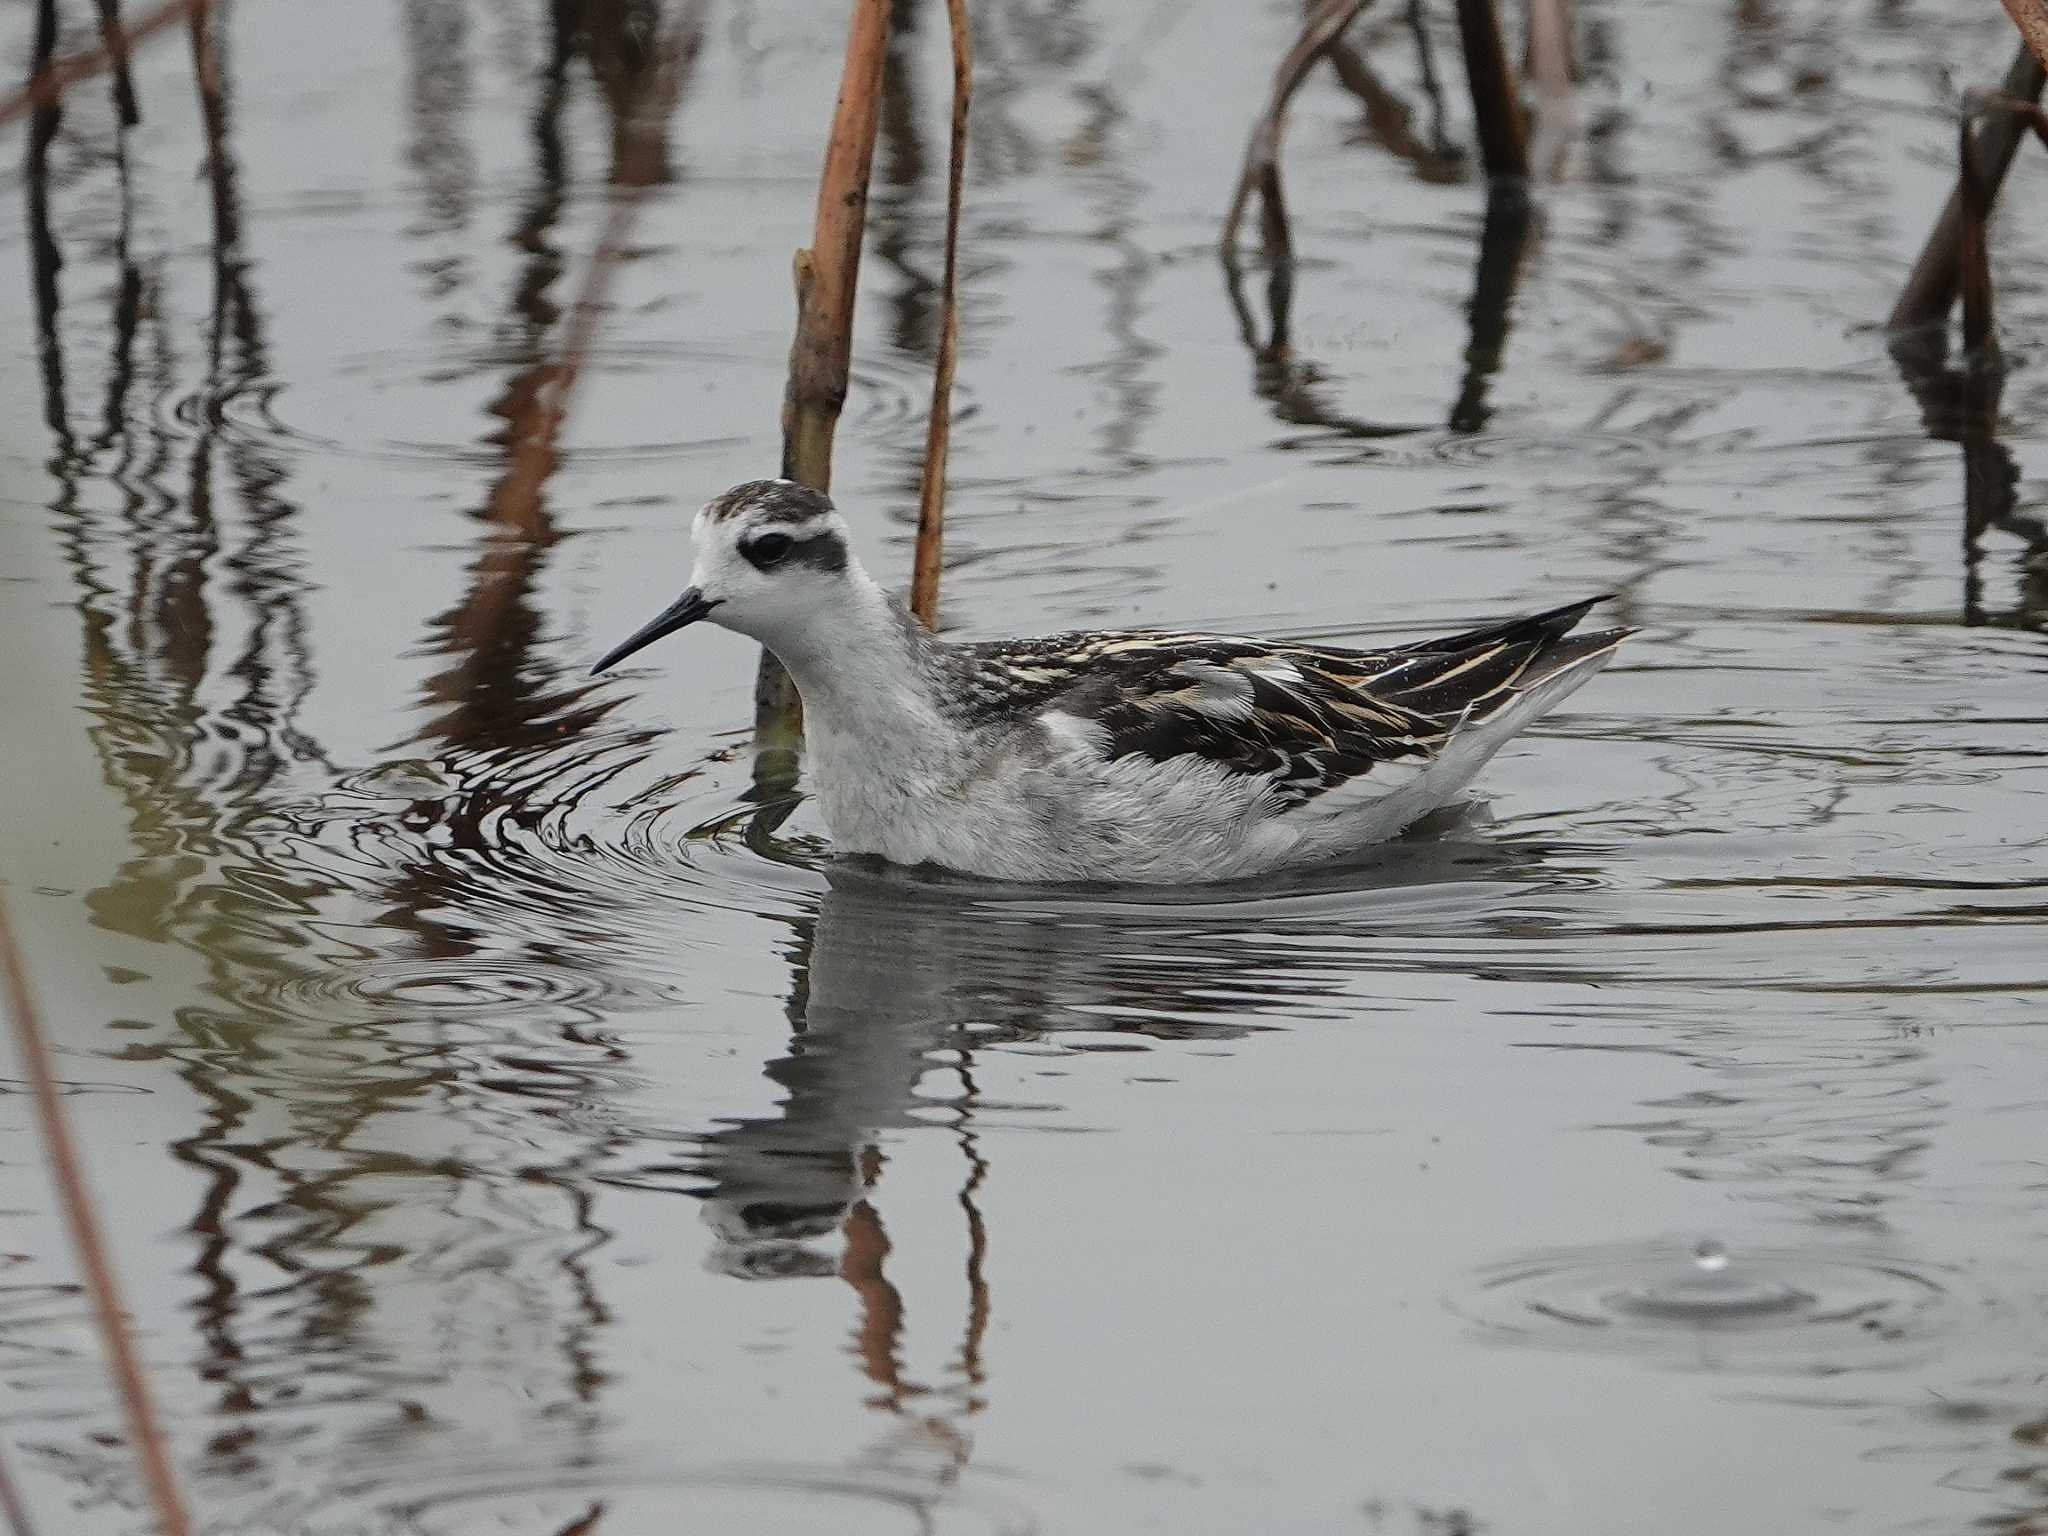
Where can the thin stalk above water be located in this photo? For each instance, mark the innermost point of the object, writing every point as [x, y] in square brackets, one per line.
[1260, 172]
[88, 1241]
[1931, 288]
[931, 497]
[827, 272]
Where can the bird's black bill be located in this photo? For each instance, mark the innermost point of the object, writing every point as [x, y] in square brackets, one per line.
[687, 609]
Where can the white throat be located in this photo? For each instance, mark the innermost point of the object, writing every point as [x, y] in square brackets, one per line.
[869, 701]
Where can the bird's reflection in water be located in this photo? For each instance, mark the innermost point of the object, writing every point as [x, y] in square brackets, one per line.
[901, 980]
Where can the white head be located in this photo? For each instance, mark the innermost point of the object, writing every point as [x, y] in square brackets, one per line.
[772, 563]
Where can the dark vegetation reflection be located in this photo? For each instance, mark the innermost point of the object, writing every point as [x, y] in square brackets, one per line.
[1959, 403]
[179, 531]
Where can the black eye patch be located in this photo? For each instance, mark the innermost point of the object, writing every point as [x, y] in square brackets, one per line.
[767, 550]
[823, 550]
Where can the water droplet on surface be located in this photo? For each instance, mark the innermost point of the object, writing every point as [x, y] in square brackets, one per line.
[1774, 1310]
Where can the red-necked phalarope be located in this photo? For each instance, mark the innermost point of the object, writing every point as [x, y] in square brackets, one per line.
[1112, 755]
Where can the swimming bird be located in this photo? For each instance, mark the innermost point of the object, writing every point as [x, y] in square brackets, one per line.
[1113, 755]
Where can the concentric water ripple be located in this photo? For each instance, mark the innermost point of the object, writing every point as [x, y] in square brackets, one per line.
[443, 987]
[1773, 1310]
[787, 1499]
[649, 1494]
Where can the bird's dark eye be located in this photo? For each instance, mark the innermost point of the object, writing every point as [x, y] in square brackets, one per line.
[768, 549]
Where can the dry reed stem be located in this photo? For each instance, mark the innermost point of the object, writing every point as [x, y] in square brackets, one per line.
[50, 83]
[1496, 108]
[67, 1174]
[828, 271]
[1261, 169]
[931, 491]
[1973, 254]
[2031, 17]
[821, 354]
[537, 426]
[1930, 289]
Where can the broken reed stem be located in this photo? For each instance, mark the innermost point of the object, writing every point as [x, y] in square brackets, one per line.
[1496, 106]
[821, 354]
[931, 491]
[1931, 287]
[67, 1174]
[827, 273]
[2031, 17]
[535, 430]
[50, 82]
[1973, 252]
[1261, 169]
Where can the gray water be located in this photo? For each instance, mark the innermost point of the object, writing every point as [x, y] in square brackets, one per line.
[505, 1130]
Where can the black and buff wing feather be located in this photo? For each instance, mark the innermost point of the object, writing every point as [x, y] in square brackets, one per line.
[1306, 717]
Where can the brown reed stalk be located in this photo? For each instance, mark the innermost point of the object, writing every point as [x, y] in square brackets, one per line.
[1496, 104]
[2031, 17]
[931, 490]
[67, 1174]
[1973, 254]
[821, 355]
[1930, 289]
[536, 426]
[1260, 172]
[828, 270]
[50, 83]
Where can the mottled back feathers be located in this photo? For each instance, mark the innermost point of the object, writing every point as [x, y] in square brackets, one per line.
[1310, 718]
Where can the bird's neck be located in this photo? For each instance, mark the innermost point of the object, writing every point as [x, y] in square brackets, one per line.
[861, 669]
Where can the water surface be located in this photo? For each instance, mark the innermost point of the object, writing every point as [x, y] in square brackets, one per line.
[506, 1130]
